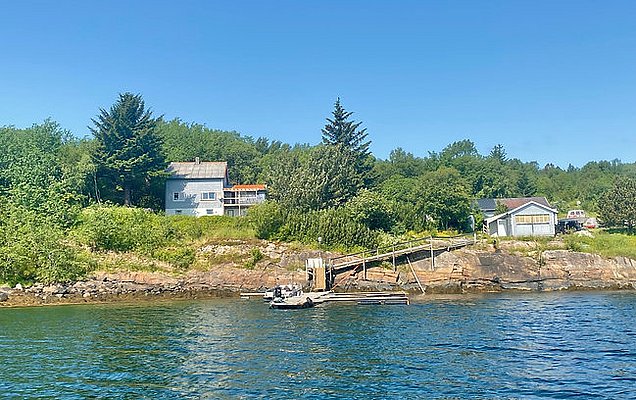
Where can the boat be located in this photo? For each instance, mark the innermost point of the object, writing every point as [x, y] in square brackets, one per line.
[282, 291]
[291, 303]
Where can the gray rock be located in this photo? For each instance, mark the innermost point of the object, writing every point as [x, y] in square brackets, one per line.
[49, 290]
[4, 296]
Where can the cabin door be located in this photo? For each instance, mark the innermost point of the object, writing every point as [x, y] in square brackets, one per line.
[501, 227]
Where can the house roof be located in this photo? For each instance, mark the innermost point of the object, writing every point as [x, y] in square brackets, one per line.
[197, 170]
[486, 204]
[511, 202]
[514, 210]
[248, 187]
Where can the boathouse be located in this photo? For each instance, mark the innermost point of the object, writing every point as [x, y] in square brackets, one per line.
[527, 216]
[203, 188]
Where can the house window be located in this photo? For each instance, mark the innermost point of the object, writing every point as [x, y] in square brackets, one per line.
[177, 196]
[209, 211]
[208, 196]
[532, 219]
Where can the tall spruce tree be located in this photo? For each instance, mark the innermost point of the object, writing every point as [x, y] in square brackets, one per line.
[128, 151]
[347, 134]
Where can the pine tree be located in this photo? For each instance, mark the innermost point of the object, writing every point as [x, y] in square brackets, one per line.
[498, 153]
[128, 152]
[340, 131]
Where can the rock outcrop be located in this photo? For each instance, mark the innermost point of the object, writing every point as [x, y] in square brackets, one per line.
[469, 270]
[460, 271]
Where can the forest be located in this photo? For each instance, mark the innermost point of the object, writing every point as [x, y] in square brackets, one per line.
[64, 199]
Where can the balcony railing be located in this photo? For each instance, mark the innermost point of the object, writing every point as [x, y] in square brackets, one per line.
[243, 200]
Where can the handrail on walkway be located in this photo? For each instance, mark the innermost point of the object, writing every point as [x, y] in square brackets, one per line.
[395, 247]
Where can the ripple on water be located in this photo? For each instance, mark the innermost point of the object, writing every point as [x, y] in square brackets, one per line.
[548, 345]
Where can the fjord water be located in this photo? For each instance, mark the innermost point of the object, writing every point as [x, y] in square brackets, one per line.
[540, 345]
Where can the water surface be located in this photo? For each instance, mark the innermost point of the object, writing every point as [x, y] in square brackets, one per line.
[540, 345]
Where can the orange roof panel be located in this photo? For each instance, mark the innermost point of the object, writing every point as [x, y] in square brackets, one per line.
[249, 187]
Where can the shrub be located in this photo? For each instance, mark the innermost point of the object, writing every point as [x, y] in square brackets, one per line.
[122, 228]
[33, 249]
[255, 256]
[267, 219]
[181, 257]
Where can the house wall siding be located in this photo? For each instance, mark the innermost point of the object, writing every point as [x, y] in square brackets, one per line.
[191, 190]
[541, 229]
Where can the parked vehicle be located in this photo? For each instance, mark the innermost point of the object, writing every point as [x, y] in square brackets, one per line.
[590, 223]
[568, 225]
[576, 214]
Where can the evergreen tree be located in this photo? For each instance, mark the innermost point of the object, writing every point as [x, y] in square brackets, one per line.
[128, 151]
[498, 153]
[340, 131]
[526, 186]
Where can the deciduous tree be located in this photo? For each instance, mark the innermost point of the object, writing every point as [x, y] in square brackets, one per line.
[617, 206]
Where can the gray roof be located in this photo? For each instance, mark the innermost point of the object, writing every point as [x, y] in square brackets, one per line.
[194, 170]
[487, 204]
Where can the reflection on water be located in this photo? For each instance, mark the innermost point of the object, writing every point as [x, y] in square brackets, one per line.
[490, 346]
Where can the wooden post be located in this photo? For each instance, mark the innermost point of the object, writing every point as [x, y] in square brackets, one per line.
[394, 267]
[432, 256]
[415, 275]
[364, 267]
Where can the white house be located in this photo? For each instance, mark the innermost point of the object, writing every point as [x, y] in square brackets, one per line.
[531, 216]
[202, 188]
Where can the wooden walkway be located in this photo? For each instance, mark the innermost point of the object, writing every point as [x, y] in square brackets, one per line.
[433, 245]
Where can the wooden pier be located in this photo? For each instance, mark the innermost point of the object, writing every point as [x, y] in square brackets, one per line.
[353, 263]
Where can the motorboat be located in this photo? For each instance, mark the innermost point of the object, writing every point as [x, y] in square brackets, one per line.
[291, 303]
[283, 292]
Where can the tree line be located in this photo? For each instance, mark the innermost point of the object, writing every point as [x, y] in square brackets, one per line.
[336, 190]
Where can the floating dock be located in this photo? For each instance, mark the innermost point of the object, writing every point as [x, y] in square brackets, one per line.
[362, 298]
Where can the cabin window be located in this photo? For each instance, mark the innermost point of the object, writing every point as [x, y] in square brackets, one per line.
[208, 196]
[532, 219]
[177, 196]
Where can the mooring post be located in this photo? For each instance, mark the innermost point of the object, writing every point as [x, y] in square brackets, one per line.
[432, 256]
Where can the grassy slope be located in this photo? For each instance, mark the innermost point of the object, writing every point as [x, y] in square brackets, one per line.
[604, 243]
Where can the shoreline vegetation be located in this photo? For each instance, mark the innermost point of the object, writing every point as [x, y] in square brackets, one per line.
[72, 209]
[508, 266]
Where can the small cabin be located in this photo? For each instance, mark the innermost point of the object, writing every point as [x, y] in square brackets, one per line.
[531, 216]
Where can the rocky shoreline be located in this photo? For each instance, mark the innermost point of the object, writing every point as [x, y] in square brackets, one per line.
[471, 270]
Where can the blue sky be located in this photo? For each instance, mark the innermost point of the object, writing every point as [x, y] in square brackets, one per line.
[553, 81]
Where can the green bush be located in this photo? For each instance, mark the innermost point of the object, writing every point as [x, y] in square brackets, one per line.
[181, 257]
[122, 229]
[267, 219]
[33, 249]
[334, 226]
[255, 256]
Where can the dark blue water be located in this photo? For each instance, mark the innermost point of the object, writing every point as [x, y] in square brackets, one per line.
[545, 345]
